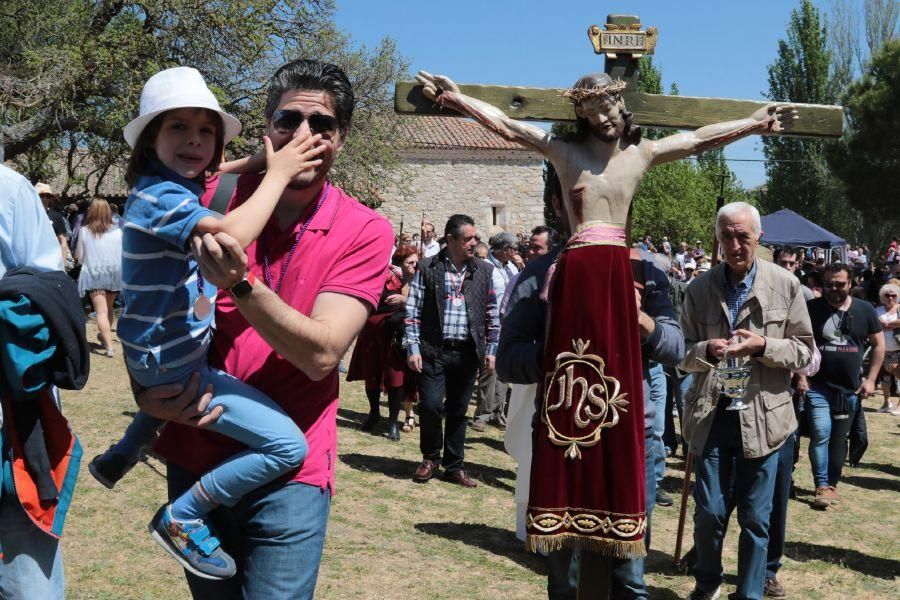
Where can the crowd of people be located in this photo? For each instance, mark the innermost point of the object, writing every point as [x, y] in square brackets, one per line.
[295, 269]
[827, 320]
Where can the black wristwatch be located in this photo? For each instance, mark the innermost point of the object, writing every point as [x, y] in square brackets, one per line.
[243, 287]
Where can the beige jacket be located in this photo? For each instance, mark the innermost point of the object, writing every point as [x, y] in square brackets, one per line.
[774, 309]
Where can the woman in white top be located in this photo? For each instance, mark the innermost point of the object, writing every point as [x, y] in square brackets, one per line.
[99, 250]
[889, 315]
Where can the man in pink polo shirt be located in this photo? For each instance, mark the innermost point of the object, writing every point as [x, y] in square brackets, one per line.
[286, 312]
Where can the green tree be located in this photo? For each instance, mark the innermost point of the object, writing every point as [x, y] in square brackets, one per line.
[798, 176]
[868, 163]
[71, 74]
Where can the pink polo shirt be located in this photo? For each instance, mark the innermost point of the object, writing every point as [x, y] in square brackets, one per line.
[345, 250]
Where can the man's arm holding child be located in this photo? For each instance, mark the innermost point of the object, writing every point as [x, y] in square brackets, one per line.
[315, 343]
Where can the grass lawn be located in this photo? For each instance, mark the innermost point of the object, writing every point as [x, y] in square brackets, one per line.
[391, 538]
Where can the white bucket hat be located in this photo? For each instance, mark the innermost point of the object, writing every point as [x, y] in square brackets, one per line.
[179, 87]
[43, 188]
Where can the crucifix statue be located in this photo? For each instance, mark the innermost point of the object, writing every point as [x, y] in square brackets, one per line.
[587, 483]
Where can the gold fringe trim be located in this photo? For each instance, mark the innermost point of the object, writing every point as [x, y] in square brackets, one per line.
[613, 548]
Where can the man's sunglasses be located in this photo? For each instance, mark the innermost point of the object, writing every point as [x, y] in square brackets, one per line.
[287, 121]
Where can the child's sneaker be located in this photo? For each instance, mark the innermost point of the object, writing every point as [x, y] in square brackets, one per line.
[108, 468]
[192, 544]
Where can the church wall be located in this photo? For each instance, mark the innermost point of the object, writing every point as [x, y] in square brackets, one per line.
[509, 186]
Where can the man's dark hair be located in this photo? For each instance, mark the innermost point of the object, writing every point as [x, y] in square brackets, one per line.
[455, 224]
[553, 237]
[786, 251]
[813, 279]
[632, 133]
[836, 267]
[307, 74]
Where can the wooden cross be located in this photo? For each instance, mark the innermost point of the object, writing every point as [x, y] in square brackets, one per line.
[650, 110]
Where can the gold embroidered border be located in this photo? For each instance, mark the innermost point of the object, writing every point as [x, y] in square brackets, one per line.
[586, 524]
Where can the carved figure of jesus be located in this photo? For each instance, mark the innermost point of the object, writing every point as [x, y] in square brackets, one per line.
[601, 166]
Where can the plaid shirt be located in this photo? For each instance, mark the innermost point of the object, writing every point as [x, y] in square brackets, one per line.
[456, 319]
[735, 296]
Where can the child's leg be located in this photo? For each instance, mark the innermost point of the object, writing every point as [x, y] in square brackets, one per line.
[140, 433]
[111, 466]
[276, 446]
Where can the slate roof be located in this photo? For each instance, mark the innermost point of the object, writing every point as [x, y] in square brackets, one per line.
[455, 133]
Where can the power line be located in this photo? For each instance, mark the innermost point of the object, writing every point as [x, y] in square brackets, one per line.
[762, 160]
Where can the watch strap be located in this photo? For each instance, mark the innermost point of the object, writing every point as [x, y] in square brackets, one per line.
[243, 287]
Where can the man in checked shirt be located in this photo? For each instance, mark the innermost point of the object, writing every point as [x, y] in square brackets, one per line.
[452, 328]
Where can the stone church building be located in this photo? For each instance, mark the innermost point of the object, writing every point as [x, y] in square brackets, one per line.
[458, 166]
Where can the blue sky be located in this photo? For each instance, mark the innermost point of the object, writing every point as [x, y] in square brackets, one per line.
[708, 48]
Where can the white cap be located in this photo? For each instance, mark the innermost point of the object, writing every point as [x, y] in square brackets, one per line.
[43, 188]
[179, 87]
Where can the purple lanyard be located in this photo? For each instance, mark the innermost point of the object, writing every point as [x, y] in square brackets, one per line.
[266, 274]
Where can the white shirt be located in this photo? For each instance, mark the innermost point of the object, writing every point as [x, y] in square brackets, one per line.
[430, 249]
[501, 275]
[34, 244]
[890, 344]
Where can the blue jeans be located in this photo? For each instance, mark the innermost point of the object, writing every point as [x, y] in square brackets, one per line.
[627, 575]
[275, 534]
[32, 560]
[276, 444]
[658, 397]
[778, 520]
[754, 485]
[676, 389]
[827, 436]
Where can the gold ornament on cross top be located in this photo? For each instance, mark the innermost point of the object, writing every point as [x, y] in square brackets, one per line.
[623, 39]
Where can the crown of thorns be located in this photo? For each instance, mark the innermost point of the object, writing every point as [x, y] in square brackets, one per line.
[576, 95]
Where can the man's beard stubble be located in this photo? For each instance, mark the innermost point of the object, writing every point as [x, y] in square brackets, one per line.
[837, 297]
[299, 186]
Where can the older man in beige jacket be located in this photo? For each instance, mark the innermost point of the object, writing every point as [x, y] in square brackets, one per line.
[756, 310]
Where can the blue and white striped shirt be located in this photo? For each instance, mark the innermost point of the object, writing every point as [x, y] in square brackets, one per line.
[159, 274]
[735, 296]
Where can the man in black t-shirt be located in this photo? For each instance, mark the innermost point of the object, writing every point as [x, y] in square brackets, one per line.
[842, 326]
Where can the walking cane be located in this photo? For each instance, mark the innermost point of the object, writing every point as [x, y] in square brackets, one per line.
[689, 460]
[682, 513]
